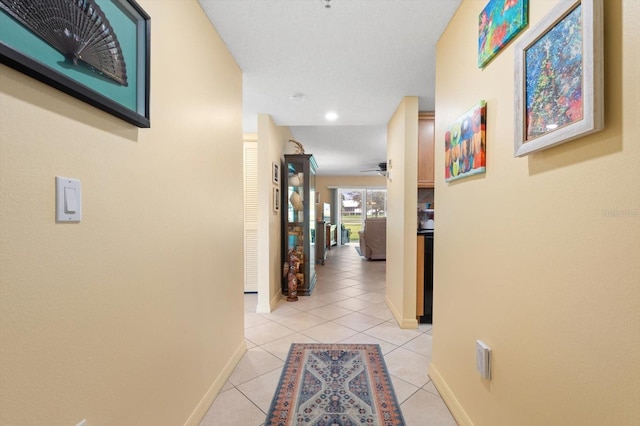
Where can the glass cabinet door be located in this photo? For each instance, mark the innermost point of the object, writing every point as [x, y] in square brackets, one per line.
[299, 222]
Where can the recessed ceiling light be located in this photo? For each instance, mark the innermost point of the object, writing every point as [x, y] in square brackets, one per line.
[331, 116]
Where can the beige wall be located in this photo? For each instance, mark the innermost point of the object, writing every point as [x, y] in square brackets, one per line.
[402, 189]
[133, 316]
[272, 141]
[532, 257]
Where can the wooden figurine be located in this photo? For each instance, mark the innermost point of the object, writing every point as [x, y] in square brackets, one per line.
[294, 264]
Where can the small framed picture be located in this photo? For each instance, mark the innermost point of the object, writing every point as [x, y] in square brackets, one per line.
[276, 199]
[275, 173]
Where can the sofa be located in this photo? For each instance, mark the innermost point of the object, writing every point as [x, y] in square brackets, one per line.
[373, 238]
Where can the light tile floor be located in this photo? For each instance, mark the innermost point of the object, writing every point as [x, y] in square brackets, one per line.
[347, 305]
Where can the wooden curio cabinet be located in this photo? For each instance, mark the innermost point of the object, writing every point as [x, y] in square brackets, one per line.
[299, 220]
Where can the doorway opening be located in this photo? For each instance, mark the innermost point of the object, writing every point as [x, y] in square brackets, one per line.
[356, 205]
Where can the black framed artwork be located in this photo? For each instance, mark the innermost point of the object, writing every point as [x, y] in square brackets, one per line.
[95, 50]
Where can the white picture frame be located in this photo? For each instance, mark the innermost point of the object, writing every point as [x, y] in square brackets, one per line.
[559, 90]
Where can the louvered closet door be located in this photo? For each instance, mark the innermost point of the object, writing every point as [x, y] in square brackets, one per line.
[250, 216]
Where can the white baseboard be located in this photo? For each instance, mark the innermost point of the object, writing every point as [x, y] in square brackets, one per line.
[402, 322]
[203, 406]
[273, 303]
[409, 323]
[449, 398]
[275, 300]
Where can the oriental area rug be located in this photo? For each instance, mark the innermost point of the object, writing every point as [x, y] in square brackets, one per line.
[334, 385]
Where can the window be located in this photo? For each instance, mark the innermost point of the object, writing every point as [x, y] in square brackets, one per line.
[358, 204]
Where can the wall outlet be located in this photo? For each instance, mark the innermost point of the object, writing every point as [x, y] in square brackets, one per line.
[483, 359]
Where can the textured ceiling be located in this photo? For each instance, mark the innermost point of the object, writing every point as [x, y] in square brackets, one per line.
[358, 58]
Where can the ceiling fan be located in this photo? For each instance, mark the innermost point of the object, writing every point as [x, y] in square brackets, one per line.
[382, 169]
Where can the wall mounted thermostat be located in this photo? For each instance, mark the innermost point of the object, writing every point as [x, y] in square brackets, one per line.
[68, 200]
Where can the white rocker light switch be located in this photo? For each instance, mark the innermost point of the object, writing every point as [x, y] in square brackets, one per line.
[68, 200]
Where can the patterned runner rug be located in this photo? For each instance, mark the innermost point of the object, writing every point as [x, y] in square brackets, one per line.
[334, 385]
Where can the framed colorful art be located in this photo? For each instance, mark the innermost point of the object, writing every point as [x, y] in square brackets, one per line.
[95, 50]
[465, 144]
[559, 90]
[499, 22]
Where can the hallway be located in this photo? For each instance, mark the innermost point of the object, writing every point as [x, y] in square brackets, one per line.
[347, 306]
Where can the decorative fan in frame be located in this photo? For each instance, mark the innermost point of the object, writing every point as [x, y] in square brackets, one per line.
[77, 29]
[95, 50]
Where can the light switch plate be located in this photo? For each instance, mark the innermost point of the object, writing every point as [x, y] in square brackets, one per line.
[68, 200]
[483, 359]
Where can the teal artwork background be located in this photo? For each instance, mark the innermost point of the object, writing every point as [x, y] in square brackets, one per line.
[24, 41]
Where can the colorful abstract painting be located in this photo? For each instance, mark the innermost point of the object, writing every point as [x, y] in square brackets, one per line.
[554, 77]
[499, 23]
[465, 144]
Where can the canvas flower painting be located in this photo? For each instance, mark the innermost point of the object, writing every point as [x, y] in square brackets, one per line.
[465, 144]
[499, 22]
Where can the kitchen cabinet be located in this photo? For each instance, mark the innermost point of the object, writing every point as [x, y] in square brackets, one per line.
[426, 145]
[420, 277]
[424, 278]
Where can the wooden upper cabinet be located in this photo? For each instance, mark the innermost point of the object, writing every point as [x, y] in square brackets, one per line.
[426, 143]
